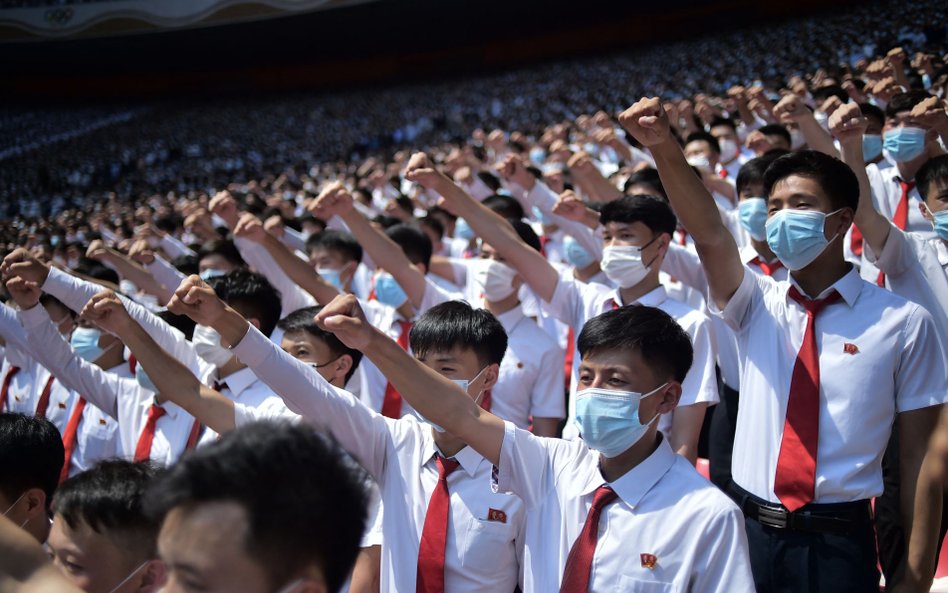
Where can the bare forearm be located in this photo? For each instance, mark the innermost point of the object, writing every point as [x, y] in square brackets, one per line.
[918, 491]
[299, 271]
[546, 427]
[873, 226]
[816, 137]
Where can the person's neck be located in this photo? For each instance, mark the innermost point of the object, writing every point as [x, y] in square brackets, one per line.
[447, 443]
[822, 273]
[731, 160]
[110, 360]
[634, 293]
[585, 274]
[502, 306]
[613, 468]
[763, 250]
[908, 169]
[233, 365]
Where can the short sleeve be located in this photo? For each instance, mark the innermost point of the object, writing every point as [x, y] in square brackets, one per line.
[738, 311]
[922, 376]
[897, 255]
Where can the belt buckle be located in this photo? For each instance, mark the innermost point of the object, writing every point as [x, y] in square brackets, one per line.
[773, 516]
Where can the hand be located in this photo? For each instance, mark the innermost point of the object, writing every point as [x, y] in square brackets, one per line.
[21, 262]
[570, 206]
[757, 142]
[647, 121]
[830, 105]
[334, 200]
[141, 252]
[514, 170]
[197, 300]
[250, 227]
[225, 206]
[791, 109]
[25, 293]
[420, 170]
[931, 112]
[896, 57]
[848, 124]
[344, 317]
[274, 226]
[464, 175]
[108, 312]
[97, 250]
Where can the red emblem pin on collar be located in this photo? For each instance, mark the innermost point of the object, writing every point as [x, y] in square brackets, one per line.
[850, 348]
[649, 560]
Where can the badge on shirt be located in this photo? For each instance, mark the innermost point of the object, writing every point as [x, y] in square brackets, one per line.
[102, 421]
[648, 560]
[850, 348]
[497, 516]
[62, 406]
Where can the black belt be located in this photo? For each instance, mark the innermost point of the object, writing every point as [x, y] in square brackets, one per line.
[839, 518]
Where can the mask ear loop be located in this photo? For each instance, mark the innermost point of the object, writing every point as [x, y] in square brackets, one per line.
[651, 393]
[10, 508]
[126, 579]
[480, 394]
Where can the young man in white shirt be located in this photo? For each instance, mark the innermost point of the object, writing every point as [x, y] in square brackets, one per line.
[638, 231]
[826, 394]
[445, 528]
[618, 512]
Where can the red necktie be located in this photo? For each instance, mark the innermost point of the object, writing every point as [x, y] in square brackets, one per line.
[71, 437]
[579, 562]
[795, 481]
[434, 535]
[143, 448]
[901, 216]
[766, 268]
[43, 403]
[615, 305]
[855, 241]
[392, 404]
[11, 372]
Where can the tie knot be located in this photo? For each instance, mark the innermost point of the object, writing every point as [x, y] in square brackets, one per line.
[405, 325]
[603, 496]
[813, 306]
[906, 186]
[446, 466]
[156, 412]
[220, 386]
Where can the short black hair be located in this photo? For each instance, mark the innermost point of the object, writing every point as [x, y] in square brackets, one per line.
[224, 248]
[661, 342]
[833, 176]
[905, 102]
[251, 294]
[433, 223]
[777, 130]
[722, 121]
[935, 169]
[505, 206]
[704, 137]
[833, 90]
[48, 299]
[108, 498]
[653, 212]
[872, 112]
[455, 324]
[339, 242]
[301, 320]
[647, 176]
[182, 323]
[31, 455]
[415, 244]
[303, 501]
[187, 264]
[753, 170]
[526, 233]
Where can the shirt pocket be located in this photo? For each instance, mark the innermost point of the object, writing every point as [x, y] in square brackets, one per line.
[629, 584]
[488, 545]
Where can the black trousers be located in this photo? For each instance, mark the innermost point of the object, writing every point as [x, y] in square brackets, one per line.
[721, 438]
[785, 561]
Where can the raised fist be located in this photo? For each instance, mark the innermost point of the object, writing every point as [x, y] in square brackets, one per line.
[647, 121]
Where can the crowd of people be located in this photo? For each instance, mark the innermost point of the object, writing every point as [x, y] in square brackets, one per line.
[489, 340]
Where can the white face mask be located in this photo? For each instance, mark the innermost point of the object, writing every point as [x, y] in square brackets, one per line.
[495, 279]
[623, 265]
[207, 344]
[796, 139]
[729, 149]
[700, 161]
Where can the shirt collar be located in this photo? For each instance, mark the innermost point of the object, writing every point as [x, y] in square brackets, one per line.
[848, 287]
[511, 318]
[638, 481]
[749, 254]
[468, 458]
[239, 381]
[653, 298]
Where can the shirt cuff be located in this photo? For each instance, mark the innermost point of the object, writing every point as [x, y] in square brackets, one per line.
[252, 348]
[502, 477]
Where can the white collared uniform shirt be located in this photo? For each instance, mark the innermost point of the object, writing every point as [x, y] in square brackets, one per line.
[482, 551]
[665, 508]
[879, 355]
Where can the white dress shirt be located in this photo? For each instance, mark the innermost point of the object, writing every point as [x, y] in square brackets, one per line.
[292, 297]
[531, 374]
[665, 508]
[481, 554]
[879, 355]
[575, 303]
[917, 269]
[96, 436]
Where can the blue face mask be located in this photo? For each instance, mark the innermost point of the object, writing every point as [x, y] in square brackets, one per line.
[212, 273]
[463, 384]
[332, 277]
[905, 144]
[462, 230]
[388, 292]
[609, 420]
[940, 224]
[871, 146]
[753, 215]
[796, 236]
[537, 155]
[575, 254]
[85, 341]
[542, 216]
[143, 379]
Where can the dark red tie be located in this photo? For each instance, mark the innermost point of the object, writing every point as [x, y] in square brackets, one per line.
[765, 267]
[5, 390]
[434, 534]
[43, 403]
[579, 562]
[901, 216]
[71, 437]
[392, 404]
[143, 448]
[795, 480]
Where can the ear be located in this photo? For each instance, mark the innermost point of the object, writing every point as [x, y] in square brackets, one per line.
[254, 322]
[421, 268]
[341, 367]
[153, 577]
[517, 282]
[669, 397]
[926, 213]
[491, 376]
[35, 500]
[846, 217]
